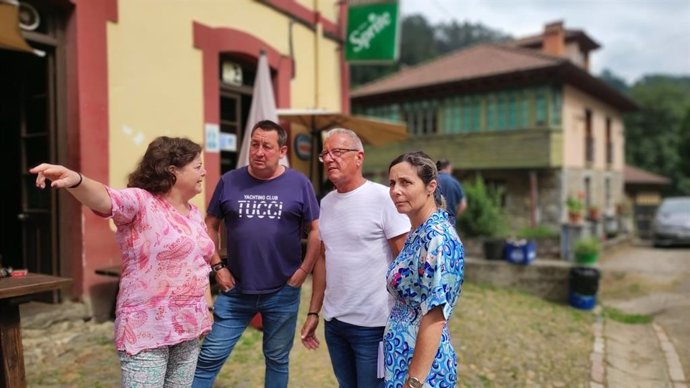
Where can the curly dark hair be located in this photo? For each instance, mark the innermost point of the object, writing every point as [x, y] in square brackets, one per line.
[152, 173]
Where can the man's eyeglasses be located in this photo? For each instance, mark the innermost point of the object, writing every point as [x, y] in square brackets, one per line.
[335, 153]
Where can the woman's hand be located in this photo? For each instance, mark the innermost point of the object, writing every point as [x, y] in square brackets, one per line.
[60, 176]
[89, 192]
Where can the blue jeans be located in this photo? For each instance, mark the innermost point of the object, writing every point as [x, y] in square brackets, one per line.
[232, 313]
[354, 353]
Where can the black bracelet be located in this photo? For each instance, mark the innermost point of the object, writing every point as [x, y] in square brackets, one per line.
[313, 313]
[210, 309]
[74, 186]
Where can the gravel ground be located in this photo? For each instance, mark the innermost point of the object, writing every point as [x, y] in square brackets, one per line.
[503, 339]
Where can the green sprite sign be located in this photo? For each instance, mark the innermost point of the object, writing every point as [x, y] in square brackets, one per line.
[372, 33]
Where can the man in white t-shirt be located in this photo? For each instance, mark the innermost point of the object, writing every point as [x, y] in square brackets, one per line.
[361, 232]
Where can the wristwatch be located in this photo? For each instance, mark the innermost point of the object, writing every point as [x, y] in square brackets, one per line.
[218, 266]
[413, 382]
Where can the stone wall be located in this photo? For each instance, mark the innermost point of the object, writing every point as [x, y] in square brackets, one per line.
[547, 248]
[517, 196]
[546, 279]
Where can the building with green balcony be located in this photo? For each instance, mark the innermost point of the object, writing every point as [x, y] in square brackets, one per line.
[527, 116]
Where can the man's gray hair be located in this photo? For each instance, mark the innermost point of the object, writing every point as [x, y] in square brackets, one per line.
[356, 141]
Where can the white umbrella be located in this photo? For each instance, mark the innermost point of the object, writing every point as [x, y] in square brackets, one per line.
[263, 108]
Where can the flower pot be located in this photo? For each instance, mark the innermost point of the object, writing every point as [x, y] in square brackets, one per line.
[574, 218]
[582, 302]
[594, 214]
[493, 248]
[586, 258]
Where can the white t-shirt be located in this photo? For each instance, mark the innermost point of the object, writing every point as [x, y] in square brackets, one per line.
[355, 228]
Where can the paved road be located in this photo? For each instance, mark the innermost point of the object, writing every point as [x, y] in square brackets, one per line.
[640, 279]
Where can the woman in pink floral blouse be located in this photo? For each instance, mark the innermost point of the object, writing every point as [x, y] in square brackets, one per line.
[163, 303]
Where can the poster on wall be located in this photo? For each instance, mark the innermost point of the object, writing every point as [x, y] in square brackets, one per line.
[373, 33]
[212, 134]
[228, 142]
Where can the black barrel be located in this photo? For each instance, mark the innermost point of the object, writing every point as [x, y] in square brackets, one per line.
[584, 280]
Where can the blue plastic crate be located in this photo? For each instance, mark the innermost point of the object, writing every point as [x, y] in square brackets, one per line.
[520, 252]
[582, 302]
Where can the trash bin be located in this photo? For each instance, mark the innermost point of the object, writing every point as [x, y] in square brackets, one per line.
[520, 251]
[584, 286]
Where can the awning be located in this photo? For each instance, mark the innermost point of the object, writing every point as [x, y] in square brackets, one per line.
[10, 35]
[372, 131]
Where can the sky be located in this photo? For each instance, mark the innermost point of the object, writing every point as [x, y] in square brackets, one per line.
[638, 37]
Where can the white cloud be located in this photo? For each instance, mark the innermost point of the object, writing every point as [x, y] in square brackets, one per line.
[638, 37]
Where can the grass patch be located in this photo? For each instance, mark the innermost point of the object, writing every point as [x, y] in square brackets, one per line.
[631, 319]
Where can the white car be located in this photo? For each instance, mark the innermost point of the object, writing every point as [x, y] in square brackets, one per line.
[672, 222]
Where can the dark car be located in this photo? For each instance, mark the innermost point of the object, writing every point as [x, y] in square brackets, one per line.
[672, 222]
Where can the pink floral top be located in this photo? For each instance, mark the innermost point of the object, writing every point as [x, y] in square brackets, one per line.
[165, 267]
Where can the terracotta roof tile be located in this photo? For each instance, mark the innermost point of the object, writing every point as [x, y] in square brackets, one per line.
[482, 60]
[570, 35]
[639, 176]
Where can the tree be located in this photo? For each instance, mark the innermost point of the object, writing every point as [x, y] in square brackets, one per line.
[422, 42]
[615, 81]
[453, 36]
[657, 137]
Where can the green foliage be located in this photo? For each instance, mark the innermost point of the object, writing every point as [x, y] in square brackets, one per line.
[574, 205]
[615, 81]
[483, 215]
[541, 231]
[421, 41]
[631, 319]
[587, 246]
[658, 136]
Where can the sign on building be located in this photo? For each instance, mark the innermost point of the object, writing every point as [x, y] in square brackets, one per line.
[372, 33]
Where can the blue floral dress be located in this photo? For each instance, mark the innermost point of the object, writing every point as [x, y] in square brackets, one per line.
[427, 273]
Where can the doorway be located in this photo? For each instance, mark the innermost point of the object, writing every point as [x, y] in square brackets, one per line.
[27, 124]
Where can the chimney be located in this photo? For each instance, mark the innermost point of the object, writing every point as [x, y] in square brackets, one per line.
[554, 39]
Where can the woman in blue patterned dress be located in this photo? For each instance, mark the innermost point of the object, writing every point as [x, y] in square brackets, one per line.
[425, 280]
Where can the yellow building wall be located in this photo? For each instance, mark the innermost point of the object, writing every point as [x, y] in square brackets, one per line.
[574, 104]
[327, 8]
[155, 73]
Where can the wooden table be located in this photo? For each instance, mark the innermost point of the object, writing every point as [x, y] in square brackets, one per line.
[11, 350]
[113, 271]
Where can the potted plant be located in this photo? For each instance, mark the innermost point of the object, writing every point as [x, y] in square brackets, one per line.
[574, 206]
[587, 250]
[484, 218]
[594, 213]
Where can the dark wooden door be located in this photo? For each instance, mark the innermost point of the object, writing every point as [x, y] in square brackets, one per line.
[27, 124]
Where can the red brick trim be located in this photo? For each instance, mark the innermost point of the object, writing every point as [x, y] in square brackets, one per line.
[344, 67]
[86, 48]
[111, 11]
[214, 41]
[306, 16]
